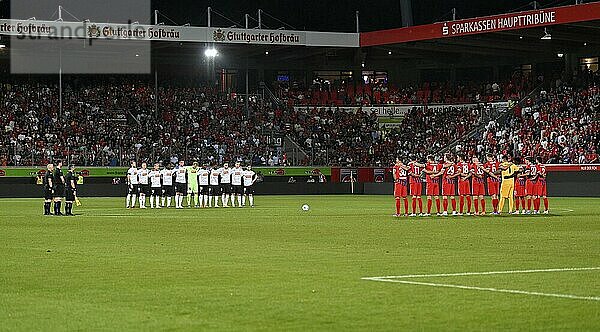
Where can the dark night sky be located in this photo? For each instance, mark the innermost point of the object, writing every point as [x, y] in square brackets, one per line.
[338, 15]
[331, 15]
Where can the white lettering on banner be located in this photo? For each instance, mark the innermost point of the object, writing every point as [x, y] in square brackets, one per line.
[257, 37]
[513, 21]
[69, 30]
[396, 111]
[380, 111]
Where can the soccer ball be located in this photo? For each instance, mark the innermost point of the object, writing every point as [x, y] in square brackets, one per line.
[305, 207]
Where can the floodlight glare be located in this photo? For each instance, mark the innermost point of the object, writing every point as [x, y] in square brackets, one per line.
[211, 52]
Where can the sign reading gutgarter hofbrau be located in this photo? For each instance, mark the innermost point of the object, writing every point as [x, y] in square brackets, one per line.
[31, 29]
[257, 36]
[50, 29]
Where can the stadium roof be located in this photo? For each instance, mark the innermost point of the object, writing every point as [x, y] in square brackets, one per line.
[515, 45]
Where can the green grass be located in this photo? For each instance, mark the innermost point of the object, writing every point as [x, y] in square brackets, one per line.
[276, 267]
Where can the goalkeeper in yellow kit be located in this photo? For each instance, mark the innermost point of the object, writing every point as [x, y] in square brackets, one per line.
[507, 189]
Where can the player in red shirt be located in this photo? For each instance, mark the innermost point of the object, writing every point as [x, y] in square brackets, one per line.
[400, 186]
[540, 189]
[449, 174]
[531, 172]
[520, 192]
[493, 180]
[416, 185]
[464, 185]
[433, 180]
[478, 173]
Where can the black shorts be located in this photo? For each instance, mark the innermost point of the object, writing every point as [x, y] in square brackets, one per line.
[226, 188]
[215, 190]
[168, 191]
[238, 189]
[59, 191]
[144, 189]
[133, 189]
[181, 188]
[48, 193]
[249, 190]
[155, 191]
[70, 195]
[204, 190]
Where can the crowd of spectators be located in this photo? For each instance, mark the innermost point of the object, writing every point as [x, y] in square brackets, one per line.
[109, 122]
[342, 93]
[336, 137]
[561, 125]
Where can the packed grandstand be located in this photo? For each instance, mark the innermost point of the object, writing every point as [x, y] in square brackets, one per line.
[111, 121]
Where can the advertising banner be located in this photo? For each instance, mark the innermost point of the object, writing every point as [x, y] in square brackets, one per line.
[293, 171]
[34, 29]
[487, 24]
[348, 174]
[379, 174]
[396, 111]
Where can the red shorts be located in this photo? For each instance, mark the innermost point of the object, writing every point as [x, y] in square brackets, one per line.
[540, 189]
[519, 190]
[400, 190]
[464, 187]
[478, 188]
[433, 189]
[448, 189]
[416, 189]
[530, 188]
[493, 188]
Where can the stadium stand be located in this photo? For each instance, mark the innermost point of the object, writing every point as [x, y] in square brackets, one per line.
[560, 125]
[338, 93]
[194, 122]
[108, 122]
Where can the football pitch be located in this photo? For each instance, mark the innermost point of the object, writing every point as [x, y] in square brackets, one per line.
[346, 264]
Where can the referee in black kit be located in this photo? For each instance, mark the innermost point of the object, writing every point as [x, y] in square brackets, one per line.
[58, 182]
[48, 189]
[70, 190]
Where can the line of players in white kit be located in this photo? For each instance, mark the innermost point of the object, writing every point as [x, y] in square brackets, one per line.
[203, 186]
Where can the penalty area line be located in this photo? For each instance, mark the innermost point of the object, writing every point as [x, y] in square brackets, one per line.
[488, 289]
[399, 279]
[565, 269]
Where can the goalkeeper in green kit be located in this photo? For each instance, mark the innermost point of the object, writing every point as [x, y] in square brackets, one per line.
[193, 184]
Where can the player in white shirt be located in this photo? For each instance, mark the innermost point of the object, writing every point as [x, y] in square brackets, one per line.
[249, 179]
[203, 175]
[167, 185]
[155, 186]
[236, 184]
[144, 184]
[225, 184]
[132, 185]
[180, 184]
[215, 190]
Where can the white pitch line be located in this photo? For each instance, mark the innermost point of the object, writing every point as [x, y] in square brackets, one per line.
[489, 289]
[485, 273]
[566, 210]
[396, 279]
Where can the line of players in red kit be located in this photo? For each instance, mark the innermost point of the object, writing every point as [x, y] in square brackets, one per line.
[456, 176]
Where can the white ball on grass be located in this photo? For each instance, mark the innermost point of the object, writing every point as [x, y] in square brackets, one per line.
[305, 207]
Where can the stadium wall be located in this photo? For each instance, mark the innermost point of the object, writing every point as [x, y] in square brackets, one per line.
[560, 183]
